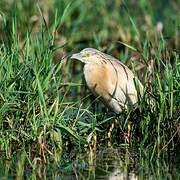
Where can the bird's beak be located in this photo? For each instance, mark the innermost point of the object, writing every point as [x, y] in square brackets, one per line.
[77, 56]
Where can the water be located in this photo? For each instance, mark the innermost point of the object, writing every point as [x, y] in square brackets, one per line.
[110, 164]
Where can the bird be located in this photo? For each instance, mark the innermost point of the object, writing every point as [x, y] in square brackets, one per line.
[109, 79]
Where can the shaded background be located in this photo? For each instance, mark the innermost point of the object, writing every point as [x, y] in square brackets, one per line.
[96, 23]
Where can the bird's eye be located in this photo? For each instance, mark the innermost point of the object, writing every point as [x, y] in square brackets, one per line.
[86, 54]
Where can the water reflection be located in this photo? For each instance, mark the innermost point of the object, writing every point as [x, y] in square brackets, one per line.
[107, 164]
[125, 164]
[116, 164]
[120, 175]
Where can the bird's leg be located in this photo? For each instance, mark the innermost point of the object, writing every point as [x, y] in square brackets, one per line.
[109, 134]
[110, 129]
[128, 134]
[124, 127]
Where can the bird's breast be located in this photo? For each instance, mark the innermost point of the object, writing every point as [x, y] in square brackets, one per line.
[96, 76]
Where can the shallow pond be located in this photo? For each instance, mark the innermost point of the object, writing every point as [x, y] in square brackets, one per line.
[112, 164]
[117, 164]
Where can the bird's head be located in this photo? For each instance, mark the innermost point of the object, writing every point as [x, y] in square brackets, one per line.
[87, 55]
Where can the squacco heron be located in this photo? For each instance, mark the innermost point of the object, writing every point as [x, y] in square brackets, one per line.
[108, 78]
